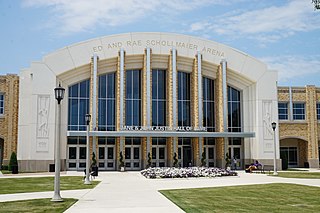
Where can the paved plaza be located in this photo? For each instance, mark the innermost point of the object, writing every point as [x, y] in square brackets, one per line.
[131, 192]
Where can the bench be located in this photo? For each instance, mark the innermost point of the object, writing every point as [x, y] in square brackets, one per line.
[260, 169]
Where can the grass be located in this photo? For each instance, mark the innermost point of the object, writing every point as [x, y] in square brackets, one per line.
[36, 206]
[251, 198]
[309, 175]
[40, 184]
[6, 172]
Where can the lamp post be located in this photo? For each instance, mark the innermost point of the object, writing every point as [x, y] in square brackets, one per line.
[87, 181]
[274, 125]
[59, 94]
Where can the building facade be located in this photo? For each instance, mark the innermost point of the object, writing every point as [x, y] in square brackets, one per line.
[299, 117]
[9, 101]
[156, 98]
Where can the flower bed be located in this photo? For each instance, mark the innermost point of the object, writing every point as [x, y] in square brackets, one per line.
[172, 172]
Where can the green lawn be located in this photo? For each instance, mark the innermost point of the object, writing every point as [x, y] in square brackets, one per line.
[251, 198]
[40, 184]
[36, 206]
[311, 175]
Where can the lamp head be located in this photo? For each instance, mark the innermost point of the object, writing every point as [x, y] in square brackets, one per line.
[59, 93]
[88, 118]
[274, 125]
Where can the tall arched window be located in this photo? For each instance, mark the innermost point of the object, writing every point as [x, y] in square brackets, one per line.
[208, 104]
[234, 110]
[184, 99]
[133, 98]
[78, 105]
[106, 103]
[158, 97]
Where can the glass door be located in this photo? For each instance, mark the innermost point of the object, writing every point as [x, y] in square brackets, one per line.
[76, 159]
[107, 157]
[133, 154]
[184, 152]
[159, 156]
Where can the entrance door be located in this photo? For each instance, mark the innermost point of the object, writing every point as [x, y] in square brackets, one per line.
[133, 154]
[235, 152]
[107, 157]
[209, 150]
[184, 152]
[209, 153]
[159, 152]
[76, 157]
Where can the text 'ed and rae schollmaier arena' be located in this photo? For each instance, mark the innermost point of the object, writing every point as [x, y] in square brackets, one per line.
[151, 96]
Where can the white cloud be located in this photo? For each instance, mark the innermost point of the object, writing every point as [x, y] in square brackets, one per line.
[266, 25]
[71, 16]
[292, 67]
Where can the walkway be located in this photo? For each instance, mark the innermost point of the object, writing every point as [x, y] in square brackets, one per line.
[131, 192]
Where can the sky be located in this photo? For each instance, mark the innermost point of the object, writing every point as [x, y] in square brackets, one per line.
[285, 34]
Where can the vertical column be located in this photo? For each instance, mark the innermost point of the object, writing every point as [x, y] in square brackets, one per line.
[174, 95]
[225, 103]
[290, 104]
[94, 100]
[121, 95]
[147, 98]
[200, 102]
[200, 98]
[311, 117]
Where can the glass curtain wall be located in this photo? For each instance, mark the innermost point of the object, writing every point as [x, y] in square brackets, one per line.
[78, 103]
[184, 99]
[106, 103]
[234, 110]
[133, 98]
[208, 104]
[159, 97]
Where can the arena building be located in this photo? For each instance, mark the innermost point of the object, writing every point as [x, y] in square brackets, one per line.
[153, 98]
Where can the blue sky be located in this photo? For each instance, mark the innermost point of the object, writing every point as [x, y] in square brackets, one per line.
[283, 33]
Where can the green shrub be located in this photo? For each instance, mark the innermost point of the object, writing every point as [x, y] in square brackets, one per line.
[175, 160]
[5, 167]
[13, 161]
[121, 160]
[203, 159]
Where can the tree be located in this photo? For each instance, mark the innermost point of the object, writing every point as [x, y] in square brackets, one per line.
[316, 4]
[13, 161]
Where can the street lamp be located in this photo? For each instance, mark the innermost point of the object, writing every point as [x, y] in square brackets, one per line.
[59, 94]
[87, 181]
[274, 125]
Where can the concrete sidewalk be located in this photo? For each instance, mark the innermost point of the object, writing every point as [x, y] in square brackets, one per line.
[129, 191]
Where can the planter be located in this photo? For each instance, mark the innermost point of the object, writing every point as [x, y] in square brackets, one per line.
[121, 169]
[95, 171]
[14, 169]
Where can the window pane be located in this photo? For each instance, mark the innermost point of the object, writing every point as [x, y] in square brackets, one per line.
[72, 152]
[101, 152]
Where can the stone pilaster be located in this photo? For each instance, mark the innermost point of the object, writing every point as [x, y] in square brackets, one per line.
[219, 117]
[311, 117]
[194, 94]
[196, 156]
[170, 141]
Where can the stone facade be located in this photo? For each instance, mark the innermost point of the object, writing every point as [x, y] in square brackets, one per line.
[9, 88]
[305, 131]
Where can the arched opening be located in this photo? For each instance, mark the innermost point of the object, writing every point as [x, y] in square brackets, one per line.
[293, 152]
[1, 151]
